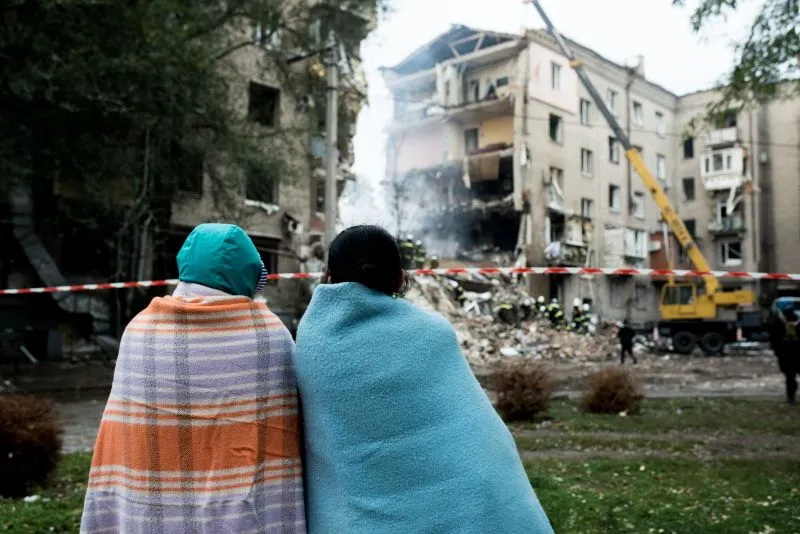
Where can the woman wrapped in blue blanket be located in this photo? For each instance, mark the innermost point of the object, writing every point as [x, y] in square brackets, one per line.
[399, 435]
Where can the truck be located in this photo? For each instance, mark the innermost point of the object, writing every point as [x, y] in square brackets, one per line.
[693, 312]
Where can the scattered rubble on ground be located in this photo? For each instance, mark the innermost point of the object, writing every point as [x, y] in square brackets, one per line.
[487, 341]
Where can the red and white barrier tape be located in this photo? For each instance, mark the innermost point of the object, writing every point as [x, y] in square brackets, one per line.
[599, 271]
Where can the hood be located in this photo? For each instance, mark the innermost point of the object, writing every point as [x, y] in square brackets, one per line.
[223, 257]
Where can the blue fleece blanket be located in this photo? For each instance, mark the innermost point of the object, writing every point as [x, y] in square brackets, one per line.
[399, 435]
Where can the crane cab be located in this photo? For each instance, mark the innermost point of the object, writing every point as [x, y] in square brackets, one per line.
[682, 300]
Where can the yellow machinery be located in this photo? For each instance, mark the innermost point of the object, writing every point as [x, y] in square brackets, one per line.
[680, 301]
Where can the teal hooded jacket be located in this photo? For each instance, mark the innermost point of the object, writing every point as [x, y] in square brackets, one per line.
[223, 257]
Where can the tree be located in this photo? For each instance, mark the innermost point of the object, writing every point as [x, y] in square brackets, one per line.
[766, 66]
[121, 105]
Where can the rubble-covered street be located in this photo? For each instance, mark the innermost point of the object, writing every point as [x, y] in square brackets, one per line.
[746, 370]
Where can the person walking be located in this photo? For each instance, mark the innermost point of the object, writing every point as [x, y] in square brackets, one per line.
[201, 429]
[785, 340]
[399, 435]
[626, 335]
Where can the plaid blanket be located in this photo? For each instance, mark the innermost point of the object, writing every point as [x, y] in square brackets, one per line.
[201, 430]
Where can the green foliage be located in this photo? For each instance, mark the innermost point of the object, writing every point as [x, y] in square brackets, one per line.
[767, 64]
[124, 104]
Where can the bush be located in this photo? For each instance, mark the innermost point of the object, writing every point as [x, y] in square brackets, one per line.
[523, 391]
[30, 444]
[612, 390]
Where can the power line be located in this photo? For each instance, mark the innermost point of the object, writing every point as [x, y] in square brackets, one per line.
[634, 130]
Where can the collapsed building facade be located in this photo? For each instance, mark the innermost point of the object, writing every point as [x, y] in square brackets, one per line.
[509, 160]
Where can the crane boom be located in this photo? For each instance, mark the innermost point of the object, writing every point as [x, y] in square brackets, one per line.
[656, 191]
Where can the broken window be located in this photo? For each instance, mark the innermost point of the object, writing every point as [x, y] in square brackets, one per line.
[587, 208]
[262, 188]
[586, 112]
[263, 104]
[612, 98]
[471, 137]
[722, 211]
[731, 253]
[688, 189]
[691, 227]
[688, 148]
[614, 198]
[502, 81]
[637, 205]
[556, 189]
[556, 128]
[638, 114]
[555, 75]
[587, 162]
[661, 124]
[613, 150]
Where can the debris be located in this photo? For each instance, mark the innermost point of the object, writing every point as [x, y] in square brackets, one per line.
[495, 319]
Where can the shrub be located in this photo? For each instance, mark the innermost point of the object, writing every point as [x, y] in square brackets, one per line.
[612, 390]
[523, 391]
[30, 443]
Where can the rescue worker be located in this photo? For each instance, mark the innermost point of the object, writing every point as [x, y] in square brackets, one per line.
[407, 251]
[784, 336]
[434, 262]
[507, 313]
[420, 255]
[555, 313]
[460, 294]
[626, 335]
[580, 318]
[576, 314]
[527, 309]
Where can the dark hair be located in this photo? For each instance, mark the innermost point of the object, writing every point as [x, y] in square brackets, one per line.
[370, 256]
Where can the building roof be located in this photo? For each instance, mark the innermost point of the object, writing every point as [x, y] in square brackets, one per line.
[458, 40]
[465, 40]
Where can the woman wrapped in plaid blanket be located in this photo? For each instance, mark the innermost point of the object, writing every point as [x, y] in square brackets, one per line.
[201, 430]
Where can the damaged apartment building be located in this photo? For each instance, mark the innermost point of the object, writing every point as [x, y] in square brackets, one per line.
[508, 158]
[282, 218]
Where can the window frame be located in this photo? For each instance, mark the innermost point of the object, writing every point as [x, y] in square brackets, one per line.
[661, 124]
[559, 139]
[637, 114]
[694, 188]
[586, 114]
[614, 155]
[725, 254]
[556, 71]
[587, 163]
[614, 192]
[640, 198]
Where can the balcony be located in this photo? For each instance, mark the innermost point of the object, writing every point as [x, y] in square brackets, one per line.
[722, 137]
[727, 226]
[723, 169]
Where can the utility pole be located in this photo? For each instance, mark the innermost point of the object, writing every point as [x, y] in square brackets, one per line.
[331, 153]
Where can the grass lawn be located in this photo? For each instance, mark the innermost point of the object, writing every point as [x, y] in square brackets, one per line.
[680, 466]
[58, 508]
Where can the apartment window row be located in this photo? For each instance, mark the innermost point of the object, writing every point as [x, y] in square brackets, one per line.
[637, 118]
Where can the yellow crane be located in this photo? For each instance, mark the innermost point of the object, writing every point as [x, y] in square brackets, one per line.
[689, 313]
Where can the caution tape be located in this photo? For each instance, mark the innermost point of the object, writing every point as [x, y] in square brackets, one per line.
[597, 271]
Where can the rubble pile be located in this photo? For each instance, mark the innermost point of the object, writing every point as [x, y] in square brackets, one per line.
[486, 340]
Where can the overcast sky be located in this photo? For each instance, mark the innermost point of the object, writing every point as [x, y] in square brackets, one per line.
[617, 29]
